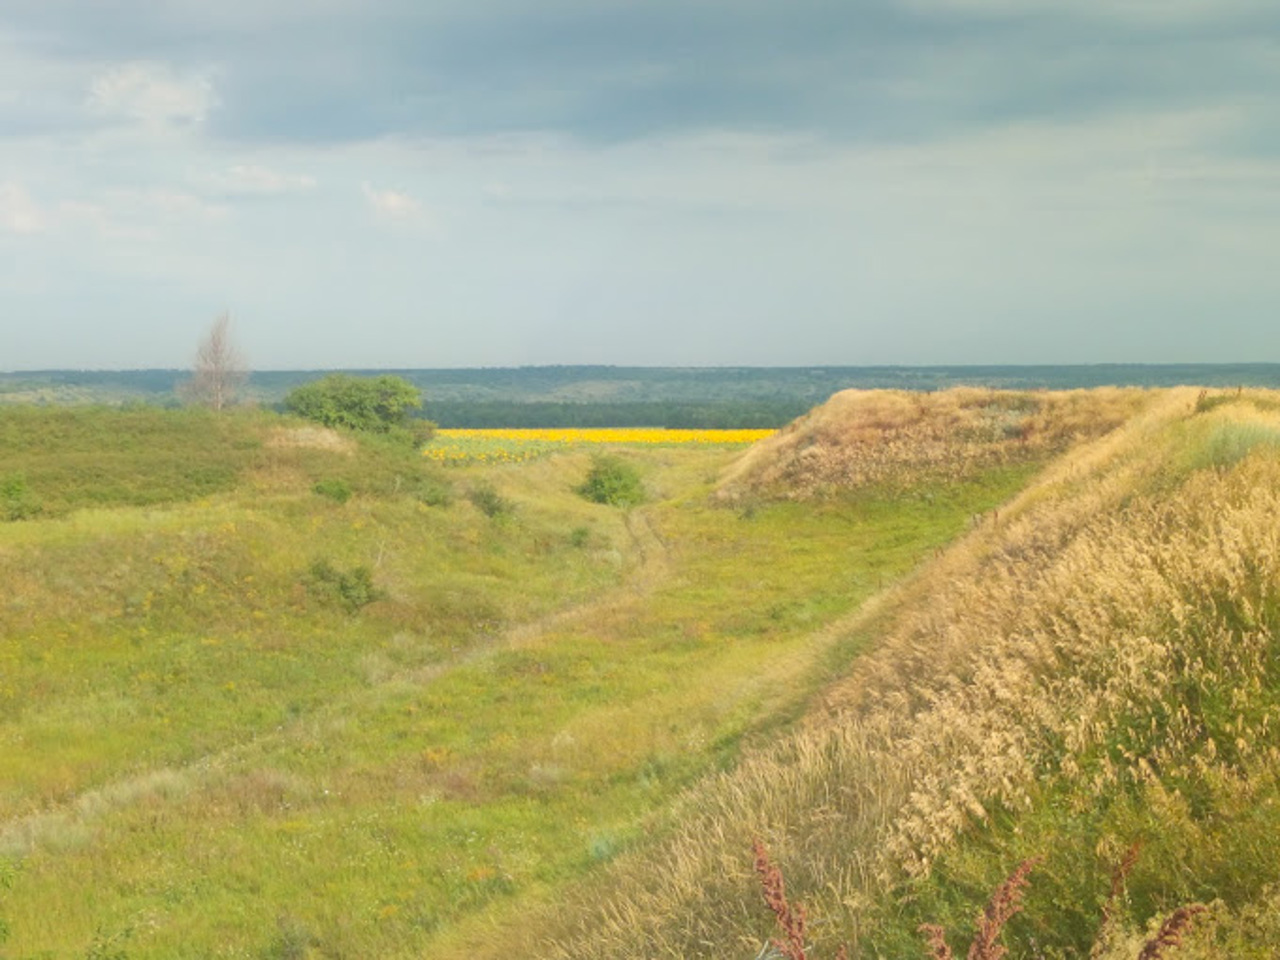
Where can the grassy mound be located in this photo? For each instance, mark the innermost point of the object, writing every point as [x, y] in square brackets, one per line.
[895, 438]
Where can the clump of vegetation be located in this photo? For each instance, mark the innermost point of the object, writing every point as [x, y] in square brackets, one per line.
[6, 881]
[109, 945]
[339, 491]
[379, 405]
[17, 502]
[351, 589]
[485, 498]
[433, 492]
[613, 481]
[294, 940]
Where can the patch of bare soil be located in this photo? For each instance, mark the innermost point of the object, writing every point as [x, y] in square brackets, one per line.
[312, 438]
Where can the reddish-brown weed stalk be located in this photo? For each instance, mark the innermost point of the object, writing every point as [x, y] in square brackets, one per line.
[1118, 878]
[790, 917]
[1005, 902]
[1171, 931]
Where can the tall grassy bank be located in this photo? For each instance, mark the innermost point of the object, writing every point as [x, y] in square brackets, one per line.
[1091, 677]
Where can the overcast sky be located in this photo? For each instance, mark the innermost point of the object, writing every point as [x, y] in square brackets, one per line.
[421, 183]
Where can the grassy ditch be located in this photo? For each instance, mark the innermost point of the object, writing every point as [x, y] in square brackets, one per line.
[210, 746]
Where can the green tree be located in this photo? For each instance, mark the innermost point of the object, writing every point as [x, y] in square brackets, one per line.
[383, 404]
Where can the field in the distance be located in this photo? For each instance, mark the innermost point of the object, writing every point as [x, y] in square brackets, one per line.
[268, 692]
[468, 446]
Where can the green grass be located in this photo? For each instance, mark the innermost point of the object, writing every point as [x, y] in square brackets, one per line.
[201, 752]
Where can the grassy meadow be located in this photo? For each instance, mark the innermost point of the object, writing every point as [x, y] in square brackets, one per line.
[272, 691]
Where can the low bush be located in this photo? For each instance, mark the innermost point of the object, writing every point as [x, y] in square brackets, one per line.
[489, 502]
[434, 492]
[351, 589]
[17, 502]
[612, 481]
[338, 491]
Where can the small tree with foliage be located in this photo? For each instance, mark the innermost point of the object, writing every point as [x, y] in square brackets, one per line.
[383, 404]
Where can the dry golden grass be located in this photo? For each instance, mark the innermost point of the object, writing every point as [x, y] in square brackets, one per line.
[1091, 635]
[862, 437]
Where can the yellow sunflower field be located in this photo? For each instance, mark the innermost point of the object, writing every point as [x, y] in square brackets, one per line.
[462, 447]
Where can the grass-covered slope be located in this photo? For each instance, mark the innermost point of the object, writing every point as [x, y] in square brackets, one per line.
[268, 691]
[1089, 680]
[896, 438]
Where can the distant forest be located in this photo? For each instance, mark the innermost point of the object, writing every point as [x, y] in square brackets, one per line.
[599, 396]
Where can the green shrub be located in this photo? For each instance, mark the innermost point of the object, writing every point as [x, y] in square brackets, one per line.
[489, 502]
[109, 946]
[612, 481]
[6, 881]
[338, 491]
[421, 431]
[434, 492]
[382, 404]
[579, 536]
[294, 941]
[351, 589]
[16, 500]
[1229, 443]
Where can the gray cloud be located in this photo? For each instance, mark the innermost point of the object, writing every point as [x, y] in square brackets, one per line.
[340, 71]
[584, 180]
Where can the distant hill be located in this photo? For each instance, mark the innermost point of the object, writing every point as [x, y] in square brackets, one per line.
[636, 396]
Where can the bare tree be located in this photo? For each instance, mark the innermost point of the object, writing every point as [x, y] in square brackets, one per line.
[220, 368]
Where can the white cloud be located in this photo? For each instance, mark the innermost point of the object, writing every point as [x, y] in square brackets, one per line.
[19, 213]
[169, 204]
[251, 179]
[145, 215]
[391, 204]
[152, 93]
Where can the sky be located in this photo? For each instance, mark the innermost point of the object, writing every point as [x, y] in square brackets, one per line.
[454, 183]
